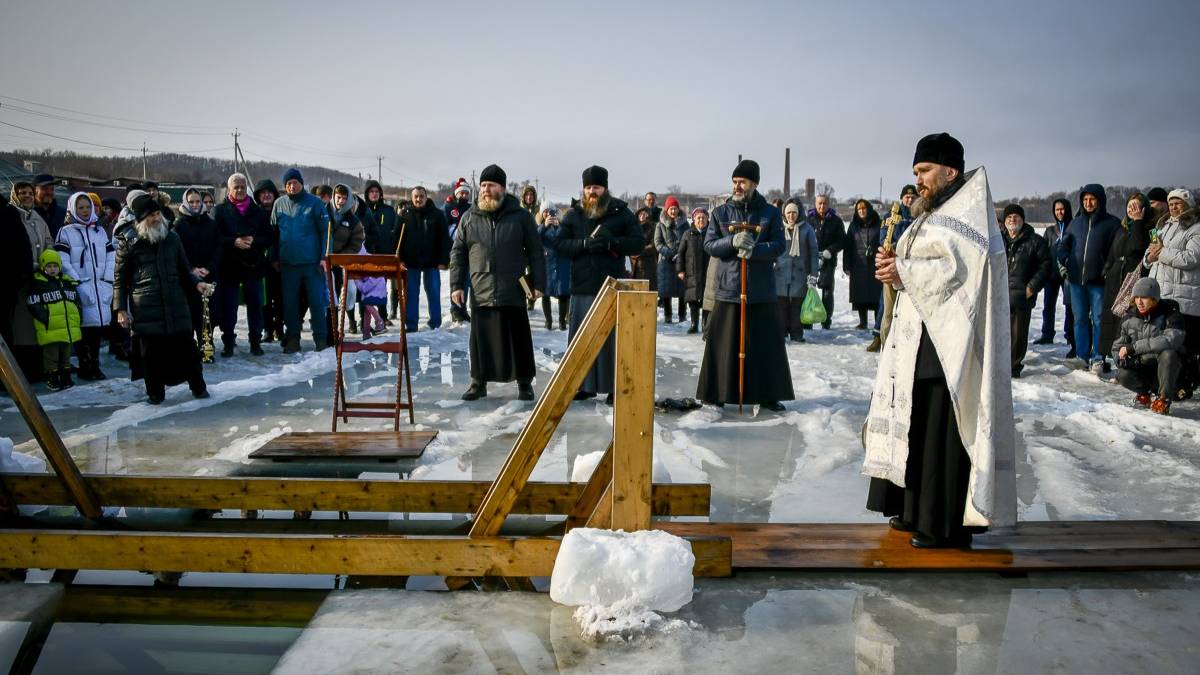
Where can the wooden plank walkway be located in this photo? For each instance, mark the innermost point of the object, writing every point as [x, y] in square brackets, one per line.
[380, 445]
[1031, 546]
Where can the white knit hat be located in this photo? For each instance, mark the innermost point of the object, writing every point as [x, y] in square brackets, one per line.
[1180, 193]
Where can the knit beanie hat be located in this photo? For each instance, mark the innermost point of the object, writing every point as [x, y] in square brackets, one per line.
[671, 201]
[748, 169]
[1147, 287]
[493, 174]
[1185, 195]
[292, 174]
[1014, 208]
[1157, 195]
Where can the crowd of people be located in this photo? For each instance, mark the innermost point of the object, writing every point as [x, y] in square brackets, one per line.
[155, 281]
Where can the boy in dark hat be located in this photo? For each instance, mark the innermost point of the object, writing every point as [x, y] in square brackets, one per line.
[1149, 350]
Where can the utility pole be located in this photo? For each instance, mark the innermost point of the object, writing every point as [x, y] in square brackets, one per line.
[787, 173]
[235, 149]
[143, 160]
[881, 189]
[474, 187]
[537, 188]
[379, 174]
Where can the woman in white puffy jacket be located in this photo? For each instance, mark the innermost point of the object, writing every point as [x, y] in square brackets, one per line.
[88, 256]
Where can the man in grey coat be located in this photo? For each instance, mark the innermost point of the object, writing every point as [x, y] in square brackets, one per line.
[496, 242]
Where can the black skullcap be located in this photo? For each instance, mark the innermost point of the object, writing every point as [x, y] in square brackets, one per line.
[941, 149]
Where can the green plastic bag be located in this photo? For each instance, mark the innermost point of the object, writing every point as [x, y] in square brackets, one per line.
[812, 311]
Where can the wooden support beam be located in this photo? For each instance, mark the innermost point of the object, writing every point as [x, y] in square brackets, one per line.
[596, 486]
[305, 554]
[633, 410]
[332, 494]
[47, 437]
[602, 515]
[548, 411]
[1031, 546]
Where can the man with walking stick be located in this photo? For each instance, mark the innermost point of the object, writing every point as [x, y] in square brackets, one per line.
[744, 357]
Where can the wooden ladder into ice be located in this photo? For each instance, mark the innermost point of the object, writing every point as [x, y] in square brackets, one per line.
[354, 267]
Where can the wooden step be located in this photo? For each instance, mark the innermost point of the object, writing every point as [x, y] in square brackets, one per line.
[1031, 546]
[381, 445]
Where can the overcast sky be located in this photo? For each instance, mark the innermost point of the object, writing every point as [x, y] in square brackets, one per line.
[1047, 95]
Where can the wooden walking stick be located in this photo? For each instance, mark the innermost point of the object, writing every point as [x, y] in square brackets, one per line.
[745, 271]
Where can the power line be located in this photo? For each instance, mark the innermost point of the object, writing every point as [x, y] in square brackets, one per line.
[109, 147]
[64, 118]
[107, 117]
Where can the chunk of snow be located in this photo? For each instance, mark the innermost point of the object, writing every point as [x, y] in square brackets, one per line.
[585, 466]
[648, 569]
[18, 462]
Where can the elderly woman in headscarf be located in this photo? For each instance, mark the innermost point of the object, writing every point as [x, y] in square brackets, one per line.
[558, 267]
[795, 270]
[203, 246]
[88, 257]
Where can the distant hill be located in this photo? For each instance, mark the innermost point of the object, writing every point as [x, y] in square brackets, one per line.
[172, 168]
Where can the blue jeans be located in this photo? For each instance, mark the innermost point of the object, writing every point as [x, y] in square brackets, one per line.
[252, 293]
[433, 296]
[311, 279]
[1087, 303]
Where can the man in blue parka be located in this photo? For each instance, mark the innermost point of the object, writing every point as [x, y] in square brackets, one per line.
[302, 221]
[729, 241]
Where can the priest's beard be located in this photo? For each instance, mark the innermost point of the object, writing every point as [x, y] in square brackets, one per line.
[594, 206]
[152, 231]
[489, 204]
[923, 205]
[742, 197]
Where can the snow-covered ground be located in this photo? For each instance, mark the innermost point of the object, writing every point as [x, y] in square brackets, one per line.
[1084, 452]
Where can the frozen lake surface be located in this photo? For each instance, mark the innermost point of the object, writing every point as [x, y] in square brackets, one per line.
[1083, 453]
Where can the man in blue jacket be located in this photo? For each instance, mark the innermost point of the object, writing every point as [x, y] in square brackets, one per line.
[1084, 249]
[302, 221]
[768, 379]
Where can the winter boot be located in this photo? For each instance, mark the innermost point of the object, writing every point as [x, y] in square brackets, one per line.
[476, 391]
[876, 344]
[256, 349]
[227, 350]
[1161, 405]
[667, 311]
[1142, 400]
[64, 379]
[54, 382]
[353, 321]
[95, 373]
[291, 344]
[524, 391]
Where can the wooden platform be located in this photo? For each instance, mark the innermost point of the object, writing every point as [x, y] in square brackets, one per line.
[1032, 546]
[380, 445]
